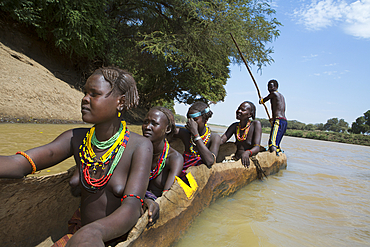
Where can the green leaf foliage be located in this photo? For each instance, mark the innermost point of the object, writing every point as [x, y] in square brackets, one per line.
[177, 50]
[362, 124]
[335, 125]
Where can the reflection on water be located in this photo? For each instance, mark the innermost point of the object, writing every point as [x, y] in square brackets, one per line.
[321, 199]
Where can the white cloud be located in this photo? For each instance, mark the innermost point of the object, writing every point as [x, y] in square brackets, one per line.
[353, 17]
[330, 72]
[309, 58]
[358, 19]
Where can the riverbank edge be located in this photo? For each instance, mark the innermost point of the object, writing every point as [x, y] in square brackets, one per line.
[357, 139]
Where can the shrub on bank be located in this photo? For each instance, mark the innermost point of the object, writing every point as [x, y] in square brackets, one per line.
[358, 139]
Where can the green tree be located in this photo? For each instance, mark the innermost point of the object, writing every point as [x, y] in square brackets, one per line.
[335, 125]
[319, 126]
[177, 50]
[294, 124]
[78, 28]
[332, 125]
[310, 127]
[362, 124]
[367, 117]
[343, 125]
[264, 122]
[180, 118]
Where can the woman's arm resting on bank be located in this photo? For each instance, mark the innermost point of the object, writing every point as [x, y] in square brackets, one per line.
[17, 166]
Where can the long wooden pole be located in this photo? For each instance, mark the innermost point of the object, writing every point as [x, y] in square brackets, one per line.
[255, 83]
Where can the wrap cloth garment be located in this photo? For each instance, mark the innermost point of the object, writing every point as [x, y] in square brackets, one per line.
[189, 160]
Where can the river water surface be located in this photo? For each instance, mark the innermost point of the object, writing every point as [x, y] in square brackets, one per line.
[322, 198]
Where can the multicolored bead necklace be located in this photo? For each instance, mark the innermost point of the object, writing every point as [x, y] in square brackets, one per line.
[205, 139]
[161, 161]
[115, 145]
[246, 130]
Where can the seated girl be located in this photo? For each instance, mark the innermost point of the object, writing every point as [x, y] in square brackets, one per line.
[158, 125]
[247, 133]
[112, 164]
[201, 146]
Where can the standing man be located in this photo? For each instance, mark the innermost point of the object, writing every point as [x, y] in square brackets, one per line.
[278, 115]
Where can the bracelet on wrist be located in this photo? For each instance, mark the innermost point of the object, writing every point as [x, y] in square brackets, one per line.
[197, 138]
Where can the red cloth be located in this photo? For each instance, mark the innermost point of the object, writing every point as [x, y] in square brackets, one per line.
[63, 241]
[75, 222]
[190, 160]
[73, 225]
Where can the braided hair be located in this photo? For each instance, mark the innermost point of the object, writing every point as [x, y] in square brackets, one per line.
[122, 83]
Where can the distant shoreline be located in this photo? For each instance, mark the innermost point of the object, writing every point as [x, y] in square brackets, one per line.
[37, 120]
[356, 139]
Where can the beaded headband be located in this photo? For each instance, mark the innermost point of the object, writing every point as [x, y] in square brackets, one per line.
[199, 113]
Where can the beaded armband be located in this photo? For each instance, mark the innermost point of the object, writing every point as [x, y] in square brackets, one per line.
[135, 196]
[29, 160]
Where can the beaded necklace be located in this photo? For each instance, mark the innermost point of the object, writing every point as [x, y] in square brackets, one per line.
[116, 144]
[205, 139]
[246, 130]
[161, 161]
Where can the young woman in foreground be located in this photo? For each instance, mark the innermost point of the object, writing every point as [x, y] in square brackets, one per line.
[247, 133]
[113, 164]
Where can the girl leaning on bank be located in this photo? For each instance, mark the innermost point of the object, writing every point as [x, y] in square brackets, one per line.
[247, 133]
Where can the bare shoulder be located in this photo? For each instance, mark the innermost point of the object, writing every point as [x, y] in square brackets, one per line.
[215, 137]
[233, 125]
[174, 155]
[140, 140]
[280, 95]
[256, 123]
[78, 131]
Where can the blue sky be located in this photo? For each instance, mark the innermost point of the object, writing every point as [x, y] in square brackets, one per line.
[322, 64]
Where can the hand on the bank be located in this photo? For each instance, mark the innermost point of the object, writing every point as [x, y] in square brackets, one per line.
[153, 211]
[192, 126]
[245, 159]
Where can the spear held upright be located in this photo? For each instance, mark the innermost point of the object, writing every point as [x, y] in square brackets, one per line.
[246, 65]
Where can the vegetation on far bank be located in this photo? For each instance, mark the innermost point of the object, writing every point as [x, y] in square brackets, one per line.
[333, 130]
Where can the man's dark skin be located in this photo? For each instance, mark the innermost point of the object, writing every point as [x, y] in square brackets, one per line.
[277, 103]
